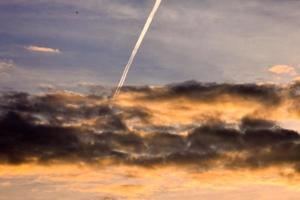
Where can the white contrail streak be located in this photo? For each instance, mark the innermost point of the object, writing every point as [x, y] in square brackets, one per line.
[137, 46]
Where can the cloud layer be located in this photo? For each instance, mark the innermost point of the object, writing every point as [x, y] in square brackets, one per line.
[70, 127]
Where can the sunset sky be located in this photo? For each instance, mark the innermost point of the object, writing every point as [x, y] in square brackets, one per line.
[210, 108]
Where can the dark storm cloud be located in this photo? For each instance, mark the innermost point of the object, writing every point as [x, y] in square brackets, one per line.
[70, 127]
[23, 141]
[251, 123]
[266, 94]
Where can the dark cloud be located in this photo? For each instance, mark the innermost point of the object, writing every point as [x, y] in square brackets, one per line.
[24, 141]
[215, 138]
[266, 94]
[252, 123]
[74, 128]
[262, 137]
[143, 89]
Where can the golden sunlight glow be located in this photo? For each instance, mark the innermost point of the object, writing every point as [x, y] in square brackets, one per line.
[226, 108]
[155, 183]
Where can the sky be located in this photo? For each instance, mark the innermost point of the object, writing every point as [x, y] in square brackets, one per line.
[65, 43]
[210, 108]
[181, 141]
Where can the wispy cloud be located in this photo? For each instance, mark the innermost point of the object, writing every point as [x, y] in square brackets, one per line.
[283, 69]
[6, 65]
[41, 49]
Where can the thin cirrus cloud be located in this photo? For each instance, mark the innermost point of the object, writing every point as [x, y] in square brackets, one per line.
[41, 49]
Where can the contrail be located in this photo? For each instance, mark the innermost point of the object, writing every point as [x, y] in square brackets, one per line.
[137, 46]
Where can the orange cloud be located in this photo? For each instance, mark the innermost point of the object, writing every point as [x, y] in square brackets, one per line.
[152, 143]
[128, 182]
[41, 49]
[297, 78]
[155, 126]
[283, 69]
